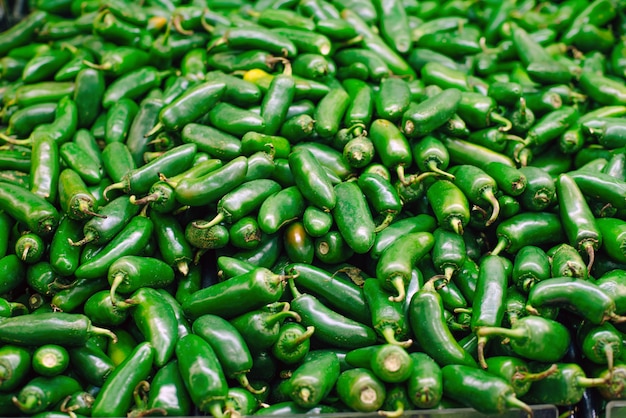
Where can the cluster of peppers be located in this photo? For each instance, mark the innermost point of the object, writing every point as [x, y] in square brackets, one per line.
[312, 206]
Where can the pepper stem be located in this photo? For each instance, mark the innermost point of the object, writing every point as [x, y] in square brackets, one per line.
[424, 175]
[84, 207]
[295, 293]
[506, 124]
[307, 334]
[207, 224]
[183, 267]
[534, 377]
[103, 331]
[434, 167]
[27, 249]
[493, 200]
[397, 282]
[243, 381]
[394, 414]
[590, 382]
[385, 223]
[214, 408]
[86, 239]
[153, 197]
[282, 315]
[101, 67]
[120, 185]
[501, 245]
[14, 141]
[389, 334]
[30, 403]
[457, 225]
[482, 341]
[591, 252]
[139, 394]
[177, 23]
[154, 130]
[118, 279]
[401, 176]
[513, 402]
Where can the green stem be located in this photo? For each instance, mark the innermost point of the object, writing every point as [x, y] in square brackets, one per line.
[389, 335]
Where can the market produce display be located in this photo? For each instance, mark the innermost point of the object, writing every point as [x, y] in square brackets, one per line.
[277, 207]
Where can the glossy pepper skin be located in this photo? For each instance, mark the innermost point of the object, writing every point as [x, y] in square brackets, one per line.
[480, 390]
[226, 298]
[434, 336]
[229, 347]
[202, 374]
[331, 327]
[116, 394]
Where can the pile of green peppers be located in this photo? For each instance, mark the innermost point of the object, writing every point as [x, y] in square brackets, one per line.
[231, 208]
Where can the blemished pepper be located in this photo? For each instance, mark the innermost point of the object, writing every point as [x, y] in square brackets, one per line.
[599, 343]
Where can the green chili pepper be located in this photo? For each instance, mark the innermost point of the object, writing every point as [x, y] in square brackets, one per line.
[293, 343]
[311, 382]
[579, 296]
[280, 208]
[599, 343]
[39, 215]
[516, 372]
[173, 247]
[41, 392]
[565, 387]
[353, 217]
[449, 204]
[260, 328]
[45, 167]
[225, 297]
[487, 393]
[387, 317]
[330, 327]
[30, 248]
[113, 399]
[434, 336]
[423, 118]
[465, 152]
[50, 360]
[566, 261]
[528, 228]
[65, 329]
[130, 240]
[15, 365]
[168, 392]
